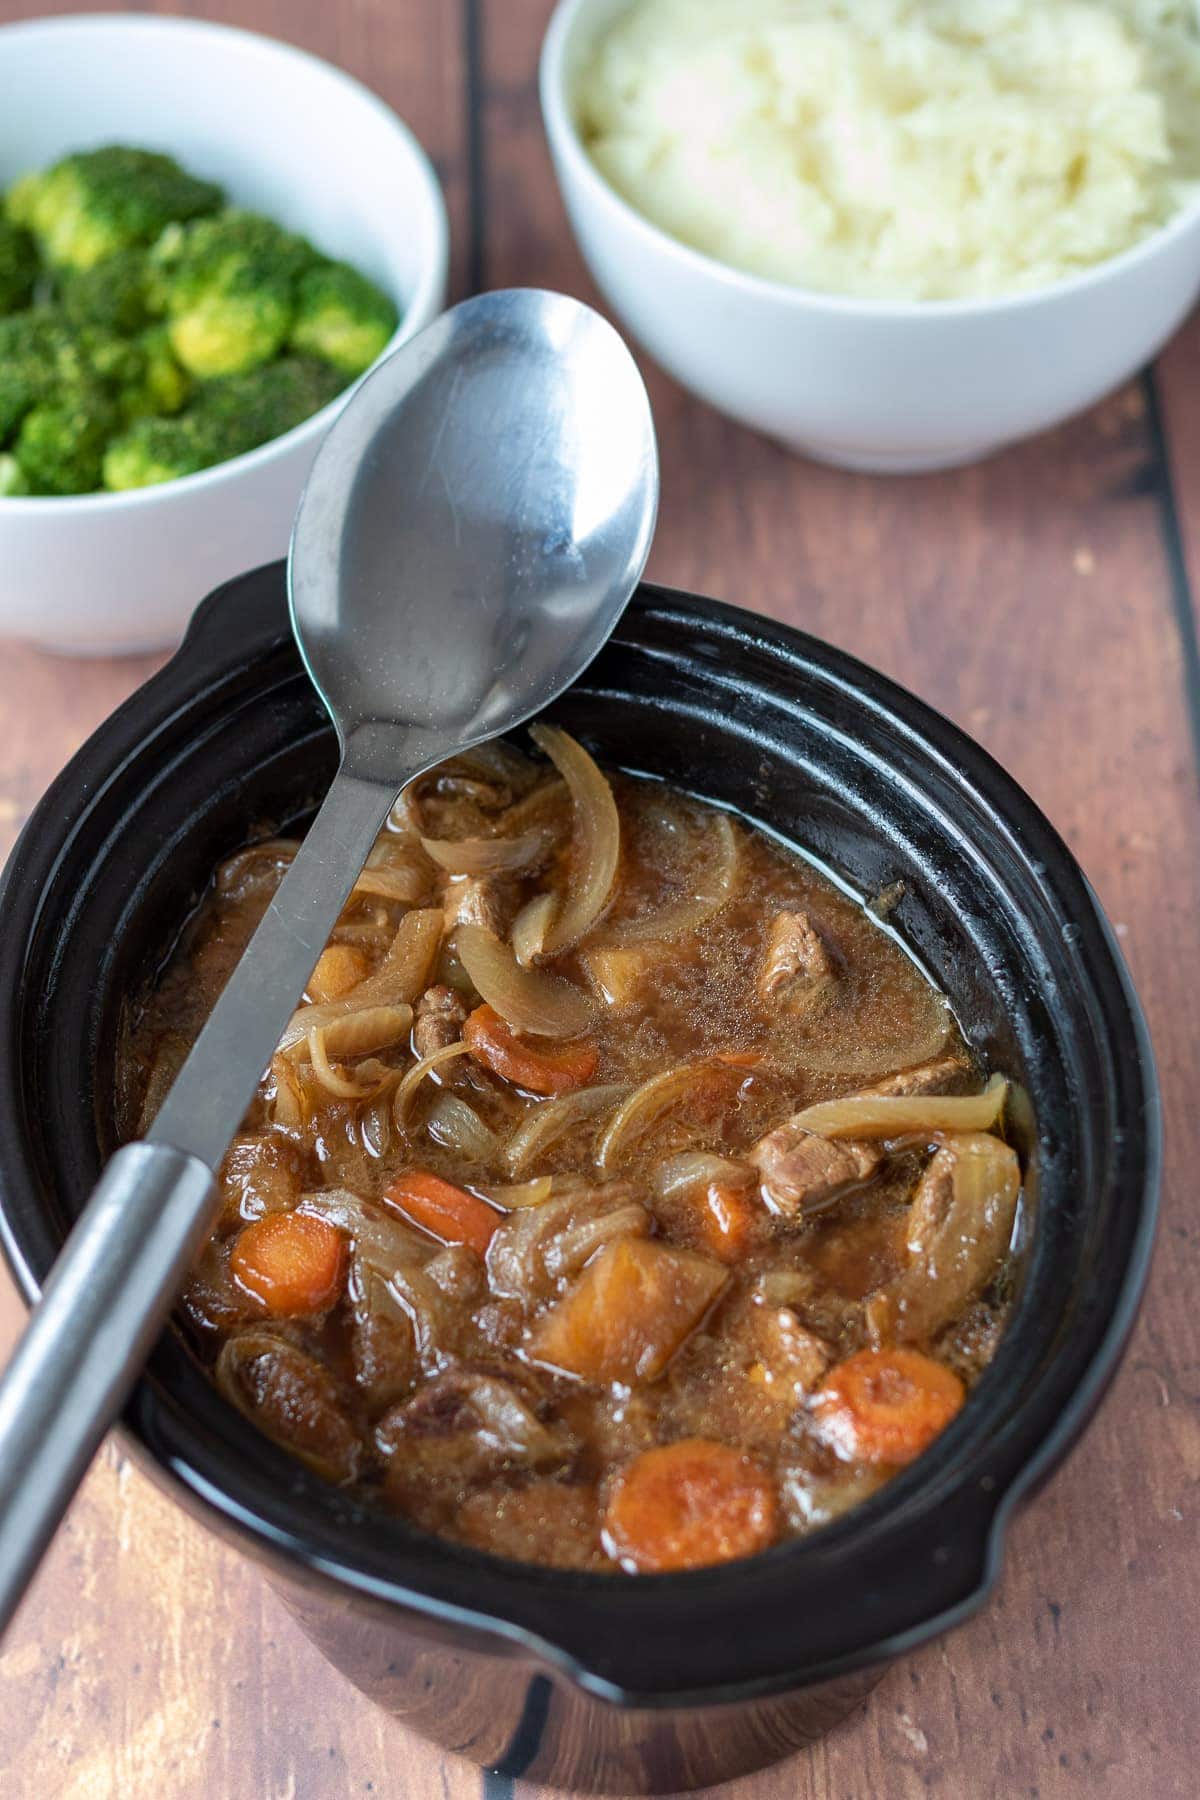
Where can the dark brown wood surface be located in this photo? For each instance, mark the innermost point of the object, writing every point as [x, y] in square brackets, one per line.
[1043, 600]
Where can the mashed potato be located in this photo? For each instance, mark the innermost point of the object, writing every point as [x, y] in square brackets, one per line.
[921, 149]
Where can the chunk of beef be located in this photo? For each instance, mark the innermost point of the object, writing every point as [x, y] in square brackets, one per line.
[292, 1399]
[800, 1170]
[482, 900]
[797, 970]
[742, 1378]
[472, 1420]
[959, 1227]
[441, 1014]
[943, 1075]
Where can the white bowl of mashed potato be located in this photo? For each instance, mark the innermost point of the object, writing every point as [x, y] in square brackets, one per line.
[894, 234]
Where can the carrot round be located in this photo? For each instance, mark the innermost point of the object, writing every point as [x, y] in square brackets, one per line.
[443, 1210]
[544, 1070]
[886, 1406]
[291, 1263]
[685, 1505]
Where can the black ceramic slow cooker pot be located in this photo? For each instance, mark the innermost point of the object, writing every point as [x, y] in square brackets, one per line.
[617, 1682]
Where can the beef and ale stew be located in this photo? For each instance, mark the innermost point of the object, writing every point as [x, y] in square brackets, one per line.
[621, 1194]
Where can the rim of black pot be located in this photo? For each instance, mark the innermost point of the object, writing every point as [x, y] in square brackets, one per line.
[920, 1555]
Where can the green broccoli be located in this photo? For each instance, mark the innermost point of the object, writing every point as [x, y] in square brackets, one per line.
[112, 295]
[12, 477]
[60, 446]
[229, 286]
[38, 355]
[342, 317]
[152, 451]
[91, 205]
[162, 387]
[244, 411]
[226, 418]
[18, 267]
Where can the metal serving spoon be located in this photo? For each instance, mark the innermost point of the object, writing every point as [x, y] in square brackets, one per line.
[473, 526]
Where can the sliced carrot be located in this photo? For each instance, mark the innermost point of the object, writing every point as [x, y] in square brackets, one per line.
[726, 1221]
[291, 1263]
[546, 1070]
[443, 1210]
[886, 1406]
[340, 967]
[685, 1505]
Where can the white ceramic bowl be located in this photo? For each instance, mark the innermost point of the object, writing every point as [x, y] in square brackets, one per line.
[863, 383]
[285, 134]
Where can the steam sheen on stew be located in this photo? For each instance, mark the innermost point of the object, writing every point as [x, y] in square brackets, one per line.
[621, 1194]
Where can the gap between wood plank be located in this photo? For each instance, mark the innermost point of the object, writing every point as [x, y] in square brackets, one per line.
[472, 18]
[1176, 560]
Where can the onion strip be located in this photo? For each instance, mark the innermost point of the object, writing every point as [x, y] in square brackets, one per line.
[543, 1125]
[523, 1195]
[894, 1115]
[527, 999]
[701, 1168]
[649, 1102]
[517, 855]
[457, 1126]
[402, 974]
[335, 1080]
[416, 1076]
[719, 865]
[596, 837]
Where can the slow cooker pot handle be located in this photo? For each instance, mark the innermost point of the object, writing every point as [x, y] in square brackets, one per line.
[87, 1340]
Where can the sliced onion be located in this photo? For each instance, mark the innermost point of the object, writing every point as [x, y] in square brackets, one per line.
[894, 1115]
[718, 864]
[405, 882]
[543, 1125]
[700, 1168]
[288, 1110]
[370, 1079]
[523, 1195]
[367, 1028]
[649, 1102]
[416, 1076]
[596, 837]
[518, 855]
[529, 999]
[402, 975]
[456, 1125]
[529, 929]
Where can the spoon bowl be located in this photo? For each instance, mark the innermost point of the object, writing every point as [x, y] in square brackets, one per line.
[475, 520]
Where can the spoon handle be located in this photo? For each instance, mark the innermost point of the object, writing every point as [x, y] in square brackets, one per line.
[114, 1282]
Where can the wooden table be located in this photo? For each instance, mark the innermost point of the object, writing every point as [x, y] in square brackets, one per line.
[1045, 601]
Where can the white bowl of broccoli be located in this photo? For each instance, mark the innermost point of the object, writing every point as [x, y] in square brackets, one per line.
[206, 239]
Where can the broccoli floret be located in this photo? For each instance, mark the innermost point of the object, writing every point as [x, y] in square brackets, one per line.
[226, 418]
[38, 354]
[112, 295]
[89, 206]
[243, 411]
[151, 451]
[12, 476]
[229, 287]
[18, 267]
[162, 386]
[60, 446]
[342, 317]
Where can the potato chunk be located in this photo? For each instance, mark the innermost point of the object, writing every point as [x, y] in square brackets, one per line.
[628, 1313]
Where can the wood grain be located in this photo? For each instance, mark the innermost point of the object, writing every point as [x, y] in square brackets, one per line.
[1038, 600]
